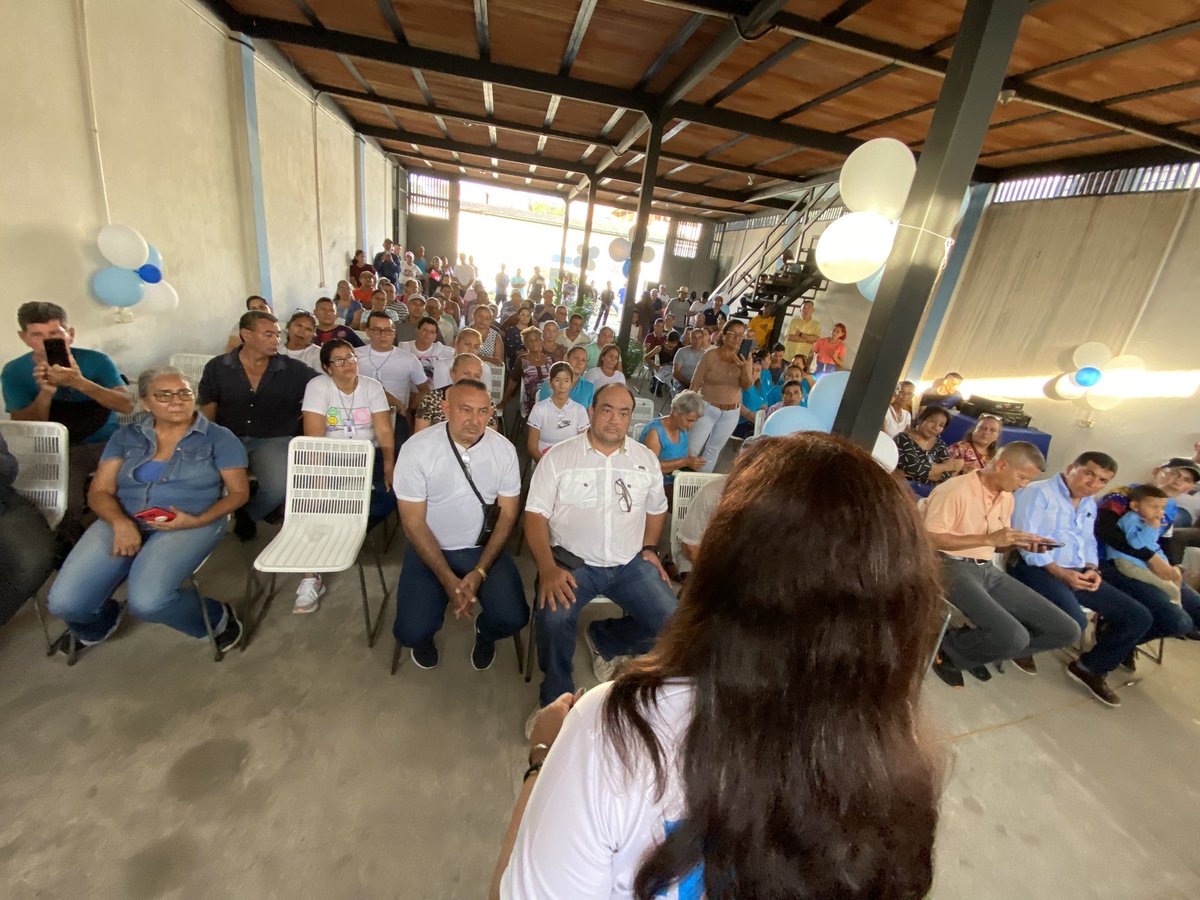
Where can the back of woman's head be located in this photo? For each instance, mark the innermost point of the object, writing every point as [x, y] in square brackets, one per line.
[802, 771]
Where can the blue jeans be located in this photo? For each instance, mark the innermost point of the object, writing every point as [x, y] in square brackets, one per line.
[421, 599]
[91, 574]
[1169, 619]
[636, 587]
[1191, 605]
[709, 435]
[1128, 620]
[268, 464]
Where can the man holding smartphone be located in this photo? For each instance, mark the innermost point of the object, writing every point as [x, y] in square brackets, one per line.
[57, 382]
[1067, 572]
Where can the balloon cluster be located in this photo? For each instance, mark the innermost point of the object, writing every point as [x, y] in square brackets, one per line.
[576, 261]
[823, 402]
[874, 185]
[619, 250]
[136, 273]
[1091, 385]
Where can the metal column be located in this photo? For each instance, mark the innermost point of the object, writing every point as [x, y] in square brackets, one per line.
[562, 256]
[645, 199]
[960, 120]
[587, 232]
[254, 162]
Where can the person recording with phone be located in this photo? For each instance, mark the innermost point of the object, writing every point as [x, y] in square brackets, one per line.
[968, 520]
[1067, 571]
[163, 493]
[59, 382]
[458, 486]
[721, 376]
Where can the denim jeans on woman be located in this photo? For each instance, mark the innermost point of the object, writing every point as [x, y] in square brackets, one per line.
[83, 590]
[710, 434]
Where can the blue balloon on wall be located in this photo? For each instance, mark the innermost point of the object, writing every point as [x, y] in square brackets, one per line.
[1087, 377]
[790, 419]
[150, 273]
[869, 286]
[116, 286]
[625, 268]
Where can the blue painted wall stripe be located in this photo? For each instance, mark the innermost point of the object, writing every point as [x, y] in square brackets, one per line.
[949, 280]
[250, 94]
[363, 243]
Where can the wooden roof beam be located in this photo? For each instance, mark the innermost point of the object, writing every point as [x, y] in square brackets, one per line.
[399, 135]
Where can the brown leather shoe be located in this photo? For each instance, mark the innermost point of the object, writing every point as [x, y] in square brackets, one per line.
[1026, 665]
[1094, 683]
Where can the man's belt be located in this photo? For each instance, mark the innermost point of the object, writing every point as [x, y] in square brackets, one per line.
[968, 559]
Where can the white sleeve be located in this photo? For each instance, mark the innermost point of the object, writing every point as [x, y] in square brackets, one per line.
[537, 416]
[416, 374]
[656, 496]
[316, 395]
[510, 472]
[409, 481]
[568, 835]
[581, 419]
[543, 487]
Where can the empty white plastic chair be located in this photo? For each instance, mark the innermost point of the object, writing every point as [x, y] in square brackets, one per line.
[687, 486]
[496, 388]
[643, 412]
[760, 419]
[324, 523]
[192, 365]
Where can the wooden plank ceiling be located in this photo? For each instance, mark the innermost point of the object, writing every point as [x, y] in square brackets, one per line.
[546, 94]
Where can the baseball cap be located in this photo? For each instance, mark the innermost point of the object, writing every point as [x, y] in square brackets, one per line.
[1182, 462]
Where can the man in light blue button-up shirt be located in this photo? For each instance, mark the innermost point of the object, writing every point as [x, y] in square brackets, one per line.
[1068, 575]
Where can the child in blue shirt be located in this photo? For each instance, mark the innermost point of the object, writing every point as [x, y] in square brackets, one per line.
[1142, 525]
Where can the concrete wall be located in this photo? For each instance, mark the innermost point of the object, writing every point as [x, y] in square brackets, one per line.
[167, 83]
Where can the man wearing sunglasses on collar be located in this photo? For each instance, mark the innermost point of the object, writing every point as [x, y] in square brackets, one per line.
[593, 517]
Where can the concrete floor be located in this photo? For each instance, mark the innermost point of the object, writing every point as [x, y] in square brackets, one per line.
[300, 769]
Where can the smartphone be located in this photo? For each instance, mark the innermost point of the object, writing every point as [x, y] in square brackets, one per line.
[1049, 545]
[56, 352]
[744, 350]
[155, 514]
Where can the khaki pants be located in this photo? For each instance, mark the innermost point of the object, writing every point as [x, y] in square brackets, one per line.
[1130, 569]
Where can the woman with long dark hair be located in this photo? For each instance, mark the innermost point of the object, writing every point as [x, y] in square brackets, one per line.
[769, 745]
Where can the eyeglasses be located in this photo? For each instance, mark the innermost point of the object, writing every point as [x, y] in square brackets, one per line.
[624, 499]
[382, 330]
[344, 361]
[183, 394]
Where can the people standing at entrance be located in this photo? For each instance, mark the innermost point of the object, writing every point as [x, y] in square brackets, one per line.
[979, 445]
[557, 417]
[600, 483]
[502, 283]
[606, 302]
[458, 486]
[830, 352]
[969, 519]
[257, 394]
[898, 417]
[518, 285]
[721, 376]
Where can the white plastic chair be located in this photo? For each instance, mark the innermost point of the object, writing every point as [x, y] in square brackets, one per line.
[40, 449]
[760, 419]
[496, 388]
[643, 412]
[324, 523]
[192, 365]
[687, 486]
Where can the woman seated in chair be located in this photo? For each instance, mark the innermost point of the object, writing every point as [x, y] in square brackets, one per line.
[343, 405]
[979, 445]
[660, 362]
[667, 436]
[163, 493]
[609, 369]
[924, 459]
[558, 417]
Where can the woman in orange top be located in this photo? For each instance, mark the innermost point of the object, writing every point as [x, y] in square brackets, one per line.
[830, 352]
[978, 446]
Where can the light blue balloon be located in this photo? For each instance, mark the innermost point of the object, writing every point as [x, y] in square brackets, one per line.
[155, 258]
[826, 396]
[1088, 376]
[869, 286]
[116, 286]
[790, 419]
[554, 257]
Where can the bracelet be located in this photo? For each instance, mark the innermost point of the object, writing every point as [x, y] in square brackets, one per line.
[482, 573]
[532, 770]
[535, 748]
[652, 548]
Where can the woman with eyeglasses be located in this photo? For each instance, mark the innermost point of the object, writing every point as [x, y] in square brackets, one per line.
[163, 492]
[979, 445]
[557, 417]
[924, 458]
[344, 405]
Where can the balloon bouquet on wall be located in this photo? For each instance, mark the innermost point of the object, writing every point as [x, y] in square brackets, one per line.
[135, 276]
[620, 248]
[1096, 381]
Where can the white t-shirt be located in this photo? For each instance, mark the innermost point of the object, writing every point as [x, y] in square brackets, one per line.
[310, 356]
[427, 357]
[556, 424]
[465, 273]
[895, 424]
[408, 270]
[441, 370]
[426, 472]
[397, 370]
[695, 523]
[589, 822]
[347, 416]
[597, 377]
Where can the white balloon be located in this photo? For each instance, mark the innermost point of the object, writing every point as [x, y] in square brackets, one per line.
[122, 246]
[885, 452]
[876, 177]
[1124, 361]
[647, 253]
[618, 250]
[1064, 388]
[855, 246]
[1093, 353]
[1100, 401]
[159, 298]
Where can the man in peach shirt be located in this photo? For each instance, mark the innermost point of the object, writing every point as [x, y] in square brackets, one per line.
[968, 519]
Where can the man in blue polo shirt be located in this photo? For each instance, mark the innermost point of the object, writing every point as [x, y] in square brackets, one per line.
[85, 396]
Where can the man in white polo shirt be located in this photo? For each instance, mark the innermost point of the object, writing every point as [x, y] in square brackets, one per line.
[399, 371]
[593, 517]
[446, 477]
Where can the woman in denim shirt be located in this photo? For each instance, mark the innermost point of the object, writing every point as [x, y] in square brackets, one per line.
[174, 460]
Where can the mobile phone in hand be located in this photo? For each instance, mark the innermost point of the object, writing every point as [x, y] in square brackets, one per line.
[154, 515]
[1048, 545]
[56, 352]
[747, 344]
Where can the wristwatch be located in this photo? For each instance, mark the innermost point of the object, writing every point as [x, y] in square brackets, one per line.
[652, 548]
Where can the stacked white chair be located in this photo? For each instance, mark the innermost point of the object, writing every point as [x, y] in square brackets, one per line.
[324, 523]
[40, 449]
[192, 365]
[760, 419]
[643, 412]
[687, 486]
[496, 388]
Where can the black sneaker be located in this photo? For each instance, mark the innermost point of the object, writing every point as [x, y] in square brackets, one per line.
[483, 653]
[1094, 683]
[231, 634]
[947, 671]
[1193, 635]
[243, 526]
[426, 657]
[981, 672]
[1129, 663]
[1026, 665]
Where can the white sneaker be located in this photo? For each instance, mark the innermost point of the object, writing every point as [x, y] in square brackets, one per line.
[602, 668]
[529, 723]
[308, 595]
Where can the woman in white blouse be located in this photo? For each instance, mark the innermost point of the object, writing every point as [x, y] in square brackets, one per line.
[343, 405]
[558, 417]
[609, 370]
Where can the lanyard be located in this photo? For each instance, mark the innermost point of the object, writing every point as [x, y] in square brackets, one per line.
[348, 423]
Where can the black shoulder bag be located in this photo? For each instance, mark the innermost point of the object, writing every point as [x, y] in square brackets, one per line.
[491, 511]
